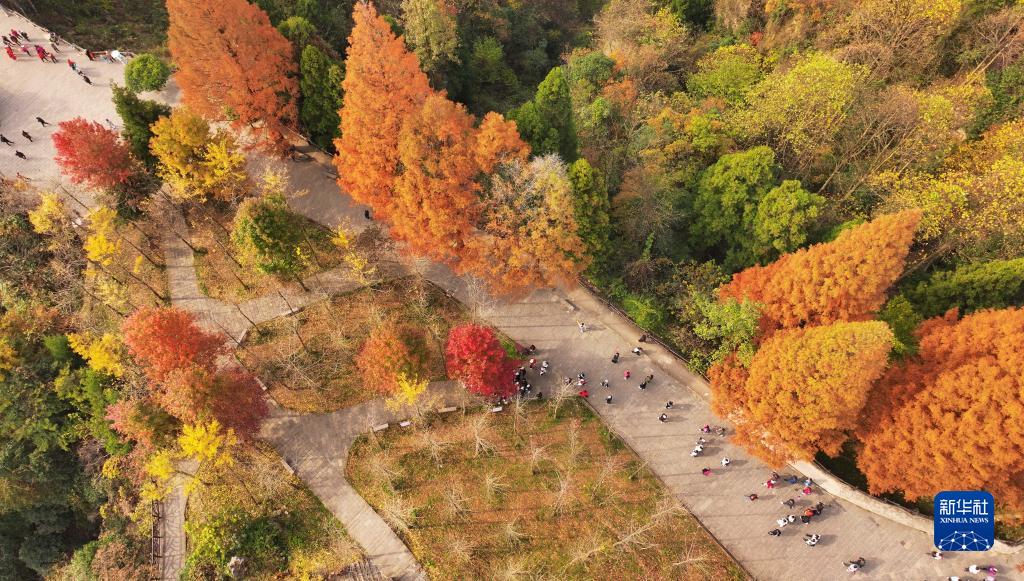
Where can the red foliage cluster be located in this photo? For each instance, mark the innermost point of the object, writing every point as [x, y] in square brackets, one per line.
[475, 357]
[91, 154]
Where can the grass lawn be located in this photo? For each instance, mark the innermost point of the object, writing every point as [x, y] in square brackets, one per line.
[256, 510]
[133, 25]
[224, 275]
[322, 376]
[525, 494]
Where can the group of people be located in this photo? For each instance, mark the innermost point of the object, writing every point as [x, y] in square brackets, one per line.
[21, 39]
[4, 140]
[15, 40]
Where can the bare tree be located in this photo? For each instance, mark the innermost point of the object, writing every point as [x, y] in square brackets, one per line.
[455, 498]
[495, 486]
[511, 534]
[564, 493]
[398, 513]
[480, 427]
[537, 455]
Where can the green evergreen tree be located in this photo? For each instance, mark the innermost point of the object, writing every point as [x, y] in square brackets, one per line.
[137, 115]
[784, 216]
[725, 208]
[299, 31]
[989, 285]
[546, 122]
[695, 12]
[590, 199]
[901, 317]
[320, 83]
[269, 235]
[146, 72]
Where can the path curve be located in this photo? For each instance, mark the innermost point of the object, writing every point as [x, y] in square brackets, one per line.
[547, 318]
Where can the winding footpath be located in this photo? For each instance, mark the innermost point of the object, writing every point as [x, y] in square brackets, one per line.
[316, 445]
[548, 319]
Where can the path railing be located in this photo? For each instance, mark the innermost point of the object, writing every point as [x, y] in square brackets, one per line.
[822, 476]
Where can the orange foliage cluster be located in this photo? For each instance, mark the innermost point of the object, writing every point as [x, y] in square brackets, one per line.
[842, 280]
[951, 417]
[424, 166]
[389, 351]
[233, 64]
[180, 360]
[805, 389]
[808, 384]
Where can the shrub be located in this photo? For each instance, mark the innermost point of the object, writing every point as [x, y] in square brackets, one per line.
[146, 73]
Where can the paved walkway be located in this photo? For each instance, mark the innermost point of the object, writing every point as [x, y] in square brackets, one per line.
[173, 545]
[54, 92]
[316, 446]
[719, 501]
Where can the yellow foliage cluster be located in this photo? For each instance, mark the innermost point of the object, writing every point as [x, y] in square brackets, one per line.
[102, 243]
[410, 387]
[974, 199]
[49, 214]
[208, 443]
[102, 354]
[8, 357]
[194, 162]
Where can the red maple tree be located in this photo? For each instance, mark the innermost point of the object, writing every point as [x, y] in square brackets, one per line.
[233, 64]
[91, 154]
[475, 357]
[163, 339]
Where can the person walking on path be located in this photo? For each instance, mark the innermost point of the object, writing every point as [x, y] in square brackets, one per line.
[20, 154]
[726, 462]
[14, 37]
[72, 65]
[663, 418]
[3, 139]
[643, 385]
[10, 53]
[706, 471]
[615, 358]
[23, 35]
[583, 327]
[668, 406]
[27, 136]
[608, 399]
[775, 533]
[7, 41]
[751, 497]
[789, 503]
[626, 374]
[637, 351]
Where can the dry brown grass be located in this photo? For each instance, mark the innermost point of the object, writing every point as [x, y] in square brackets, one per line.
[323, 377]
[562, 499]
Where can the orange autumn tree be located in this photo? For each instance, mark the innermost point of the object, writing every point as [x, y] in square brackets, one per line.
[529, 234]
[163, 339]
[842, 280]
[954, 415]
[383, 86]
[436, 202]
[231, 396]
[233, 64]
[805, 389]
[390, 353]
